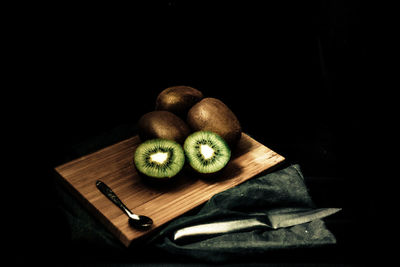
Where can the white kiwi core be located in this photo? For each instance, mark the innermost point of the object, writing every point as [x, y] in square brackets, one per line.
[206, 151]
[159, 157]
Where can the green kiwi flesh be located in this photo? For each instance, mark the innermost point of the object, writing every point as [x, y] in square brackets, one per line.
[159, 158]
[206, 152]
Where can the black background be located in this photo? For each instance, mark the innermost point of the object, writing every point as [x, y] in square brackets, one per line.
[296, 73]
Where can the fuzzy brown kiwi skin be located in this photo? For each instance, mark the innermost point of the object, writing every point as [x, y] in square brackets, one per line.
[178, 99]
[211, 114]
[164, 125]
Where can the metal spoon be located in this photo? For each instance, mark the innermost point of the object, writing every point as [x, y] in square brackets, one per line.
[138, 221]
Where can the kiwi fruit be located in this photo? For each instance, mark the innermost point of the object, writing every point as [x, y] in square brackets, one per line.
[206, 152]
[159, 159]
[178, 99]
[211, 114]
[163, 125]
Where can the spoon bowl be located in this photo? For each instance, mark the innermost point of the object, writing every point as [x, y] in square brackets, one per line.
[142, 223]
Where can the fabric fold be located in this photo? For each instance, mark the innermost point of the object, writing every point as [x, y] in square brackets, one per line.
[279, 189]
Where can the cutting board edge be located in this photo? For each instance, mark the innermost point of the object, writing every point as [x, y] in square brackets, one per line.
[118, 234]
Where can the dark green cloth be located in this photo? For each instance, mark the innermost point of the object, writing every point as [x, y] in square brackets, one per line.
[282, 188]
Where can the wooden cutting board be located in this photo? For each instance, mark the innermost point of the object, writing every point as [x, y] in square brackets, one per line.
[114, 166]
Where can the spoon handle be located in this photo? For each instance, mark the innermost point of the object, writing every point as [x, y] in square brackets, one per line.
[113, 197]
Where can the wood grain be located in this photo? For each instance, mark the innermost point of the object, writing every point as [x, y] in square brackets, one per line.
[114, 166]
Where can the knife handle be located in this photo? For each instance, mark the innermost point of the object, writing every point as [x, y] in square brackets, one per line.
[204, 231]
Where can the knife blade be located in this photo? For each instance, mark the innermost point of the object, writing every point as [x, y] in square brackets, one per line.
[274, 219]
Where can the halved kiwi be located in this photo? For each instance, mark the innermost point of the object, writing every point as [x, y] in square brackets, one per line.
[160, 159]
[206, 152]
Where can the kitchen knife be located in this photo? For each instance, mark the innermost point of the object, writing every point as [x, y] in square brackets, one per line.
[274, 219]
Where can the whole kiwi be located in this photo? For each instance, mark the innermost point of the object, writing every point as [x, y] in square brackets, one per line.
[164, 125]
[211, 114]
[178, 99]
